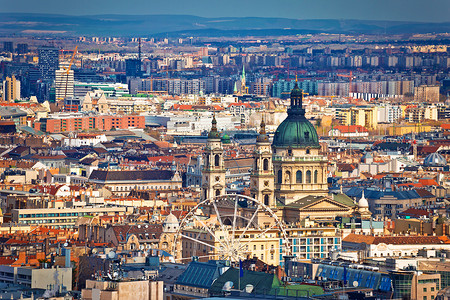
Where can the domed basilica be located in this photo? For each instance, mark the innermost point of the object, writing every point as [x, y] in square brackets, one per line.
[286, 170]
[288, 175]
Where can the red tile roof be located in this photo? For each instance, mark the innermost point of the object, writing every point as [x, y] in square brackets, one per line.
[397, 240]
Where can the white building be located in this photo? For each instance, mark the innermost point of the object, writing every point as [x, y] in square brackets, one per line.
[84, 140]
[389, 113]
[64, 84]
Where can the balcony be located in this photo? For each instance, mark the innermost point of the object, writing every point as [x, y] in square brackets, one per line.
[300, 158]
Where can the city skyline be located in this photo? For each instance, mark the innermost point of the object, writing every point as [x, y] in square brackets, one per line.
[384, 10]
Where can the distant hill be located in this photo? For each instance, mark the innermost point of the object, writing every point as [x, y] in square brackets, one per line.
[182, 25]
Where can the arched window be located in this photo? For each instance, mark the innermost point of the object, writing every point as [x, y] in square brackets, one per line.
[217, 160]
[316, 176]
[266, 199]
[256, 164]
[266, 164]
[280, 176]
[299, 177]
[207, 160]
[308, 176]
[217, 192]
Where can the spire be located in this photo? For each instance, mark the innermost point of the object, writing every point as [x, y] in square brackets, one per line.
[214, 123]
[263, 127]
[262, 137]
[213, 134]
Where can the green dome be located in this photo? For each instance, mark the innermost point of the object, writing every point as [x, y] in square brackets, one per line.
[296, 132]
[226, 139]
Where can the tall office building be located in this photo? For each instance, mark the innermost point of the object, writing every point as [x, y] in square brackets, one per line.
[11, 89]
[22, 48]
[48, 62]
[133, 67]
[8, 47]
[64, 84]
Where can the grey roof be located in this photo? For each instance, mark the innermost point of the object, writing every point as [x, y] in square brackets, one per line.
[199, 274]
[107, 175]
[11, 112]
[434, 160]
[356, 192]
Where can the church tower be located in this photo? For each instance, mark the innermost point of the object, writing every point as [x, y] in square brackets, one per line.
[299, 168]
[261, 178]
[214, 167]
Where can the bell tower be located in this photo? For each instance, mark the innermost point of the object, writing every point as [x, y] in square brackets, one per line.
[262, 177]
[213, 172]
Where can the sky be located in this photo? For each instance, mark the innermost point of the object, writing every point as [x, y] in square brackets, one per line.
[400, 10]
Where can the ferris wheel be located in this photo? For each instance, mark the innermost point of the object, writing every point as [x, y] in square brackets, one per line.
[224, 227]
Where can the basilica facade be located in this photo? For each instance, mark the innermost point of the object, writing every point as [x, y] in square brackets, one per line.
[284, 171]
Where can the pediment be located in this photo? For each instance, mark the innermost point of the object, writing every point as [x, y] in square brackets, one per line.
[325, 204]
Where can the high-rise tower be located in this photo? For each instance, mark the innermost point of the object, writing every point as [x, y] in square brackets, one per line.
[262, 178]
[11, 89]
[214, 167]
[48, 62]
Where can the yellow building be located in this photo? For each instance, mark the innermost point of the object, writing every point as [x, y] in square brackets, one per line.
[405, 129]
[11, 89]
[306, 241]
[364, 116]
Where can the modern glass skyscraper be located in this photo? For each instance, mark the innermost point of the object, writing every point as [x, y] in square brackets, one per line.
[48, 63]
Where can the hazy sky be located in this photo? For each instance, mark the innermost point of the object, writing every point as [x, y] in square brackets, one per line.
[402, 10]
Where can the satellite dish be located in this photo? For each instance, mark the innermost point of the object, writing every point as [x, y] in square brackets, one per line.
[227, 286]
[355, 283]
[249, 288]
[111, 255]
[66, 244]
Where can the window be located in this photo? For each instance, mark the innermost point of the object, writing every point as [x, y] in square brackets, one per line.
[266, 199]
[316, 176]
[308, 176]
[262, 247]
[217, 160]
[254, 247]
[299, 177]
[266, 164]
[424, 290]
[306, 135]
[280, 176]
